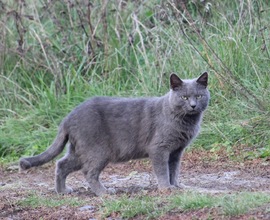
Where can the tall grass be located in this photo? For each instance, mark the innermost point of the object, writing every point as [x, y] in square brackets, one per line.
[55, 54]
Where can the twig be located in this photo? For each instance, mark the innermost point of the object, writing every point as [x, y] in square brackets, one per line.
[90, 46]
[105, 29]
[235, 83]
[262, 29]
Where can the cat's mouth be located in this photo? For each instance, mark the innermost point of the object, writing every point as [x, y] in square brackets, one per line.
[193, 112]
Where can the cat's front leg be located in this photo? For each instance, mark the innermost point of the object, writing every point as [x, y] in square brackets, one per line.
[161, 168]
[174, 166]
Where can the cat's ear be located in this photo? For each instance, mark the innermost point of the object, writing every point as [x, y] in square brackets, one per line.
[175, 81]
[203, 79]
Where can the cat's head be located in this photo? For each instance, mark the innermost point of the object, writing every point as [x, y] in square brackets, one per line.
[189, 96]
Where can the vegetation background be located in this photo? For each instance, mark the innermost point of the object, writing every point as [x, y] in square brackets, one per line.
[55, 54]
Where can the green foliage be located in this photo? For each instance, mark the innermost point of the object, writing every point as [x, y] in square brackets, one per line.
[231, 205]
[56, 54]
[35, 200]
[241, 203]
[151, 207]
[193, 201]
[130, 207]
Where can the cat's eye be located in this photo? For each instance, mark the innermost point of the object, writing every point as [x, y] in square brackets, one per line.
[198, 97]
[184, 97]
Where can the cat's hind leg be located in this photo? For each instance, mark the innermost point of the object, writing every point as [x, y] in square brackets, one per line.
[92, 170]
[66, 165]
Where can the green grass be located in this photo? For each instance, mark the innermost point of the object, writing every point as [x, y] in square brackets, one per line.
[238, 204]
[34, 200]
[234, 204]
[130, 207]
[151, 207]
[192, 201]
[52, 59]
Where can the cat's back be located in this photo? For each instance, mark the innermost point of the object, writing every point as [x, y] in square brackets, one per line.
[114, 104]
[112, 108]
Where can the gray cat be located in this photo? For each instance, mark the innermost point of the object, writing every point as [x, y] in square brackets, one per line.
[106, 129]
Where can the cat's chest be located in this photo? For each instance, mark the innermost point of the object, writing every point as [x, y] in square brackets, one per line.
[184, 133]
[177, 134]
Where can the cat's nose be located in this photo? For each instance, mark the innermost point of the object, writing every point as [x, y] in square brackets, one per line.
[193, 106]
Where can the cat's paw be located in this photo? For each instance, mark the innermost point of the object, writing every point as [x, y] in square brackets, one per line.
[66, 190]
[107, 192]
[180, 186]
[110, 191]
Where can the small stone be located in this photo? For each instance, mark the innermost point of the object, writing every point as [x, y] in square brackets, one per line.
[133, 173]
[42, 184]
[87, 208]
[13, 168]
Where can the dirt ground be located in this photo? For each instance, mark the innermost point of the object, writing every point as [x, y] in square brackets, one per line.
[204, 171]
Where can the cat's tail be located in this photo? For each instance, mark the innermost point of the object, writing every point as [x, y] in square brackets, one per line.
[55, 149]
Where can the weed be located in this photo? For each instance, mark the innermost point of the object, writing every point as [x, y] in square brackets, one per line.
[241, 203]
[151, 207]
[34, 200]
[56, 54]
[128, 207]
[192, 201]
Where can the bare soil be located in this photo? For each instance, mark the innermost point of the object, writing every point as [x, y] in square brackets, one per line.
[204, 171]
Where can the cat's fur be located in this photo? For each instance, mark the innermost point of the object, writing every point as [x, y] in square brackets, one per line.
[106, 129]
